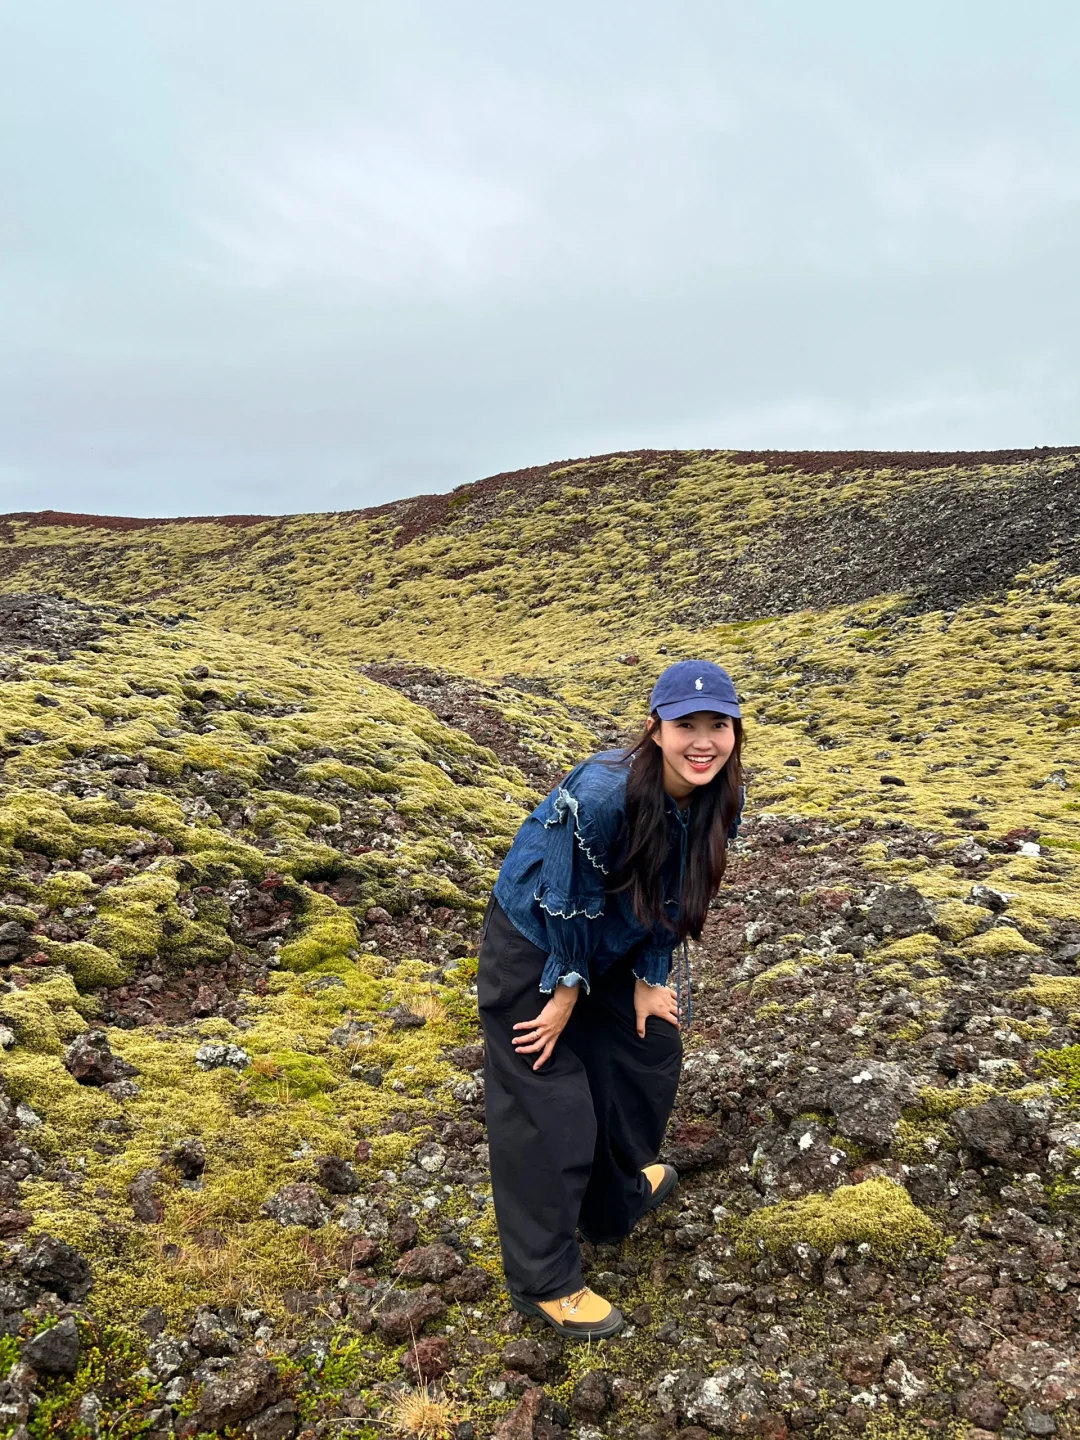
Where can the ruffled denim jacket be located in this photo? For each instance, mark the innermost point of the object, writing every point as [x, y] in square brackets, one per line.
[552, 884]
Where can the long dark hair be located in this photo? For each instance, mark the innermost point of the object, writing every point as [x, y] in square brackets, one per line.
[646, 838]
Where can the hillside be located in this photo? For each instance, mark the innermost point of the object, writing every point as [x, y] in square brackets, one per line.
[258, 777]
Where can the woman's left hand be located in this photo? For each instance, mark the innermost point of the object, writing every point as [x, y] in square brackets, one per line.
[654, 1000]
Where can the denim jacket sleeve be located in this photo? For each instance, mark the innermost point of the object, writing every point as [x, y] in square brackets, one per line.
[571, 889]
[653, 965]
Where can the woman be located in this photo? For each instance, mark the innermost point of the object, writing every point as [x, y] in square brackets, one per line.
[605, 877]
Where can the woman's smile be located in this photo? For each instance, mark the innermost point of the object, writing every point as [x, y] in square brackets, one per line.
[696, 748]
[701, 763]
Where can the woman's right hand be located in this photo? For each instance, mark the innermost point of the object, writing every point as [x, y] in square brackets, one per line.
[542, 1033]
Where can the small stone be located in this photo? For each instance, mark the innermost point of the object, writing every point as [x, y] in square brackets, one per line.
[520, 1424]
[469, 1286]
[376, 915]
[427, 1359]
[297, 1204]
[1037, 1422]
[863, 1363]
[899, 911]
[215, 1055]
[210, 1337]
[153, 1322]
[7, 1037]
[277, 1422]
[431, 1157]
[56, 1266]
[403, 1232]
[435, 1262]
[337, 1176]
[205, 1002]
[144, 1202]
[89, 1059]
[199, 672]
[591, 1396]
[892, 780]
[401, 1314]
[988, 898]
[54, 1351]
[970, 1335]
[968, 852]
[189, 1157]
[981, 1406]
[993, 1129]
[527, 1356]
[251, 1386]
[360, 1251]
[167, 1358]
[404, 1019]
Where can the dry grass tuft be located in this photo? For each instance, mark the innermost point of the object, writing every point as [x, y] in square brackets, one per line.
[431, 1008]
[424, 1414]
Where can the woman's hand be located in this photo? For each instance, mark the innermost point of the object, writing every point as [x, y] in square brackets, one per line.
[654, 1000]
[542, 1032]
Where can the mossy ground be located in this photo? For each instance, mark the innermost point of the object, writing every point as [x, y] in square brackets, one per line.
[218, 735]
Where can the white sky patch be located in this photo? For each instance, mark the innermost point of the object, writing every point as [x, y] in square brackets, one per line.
[380, 212]
[996, 182]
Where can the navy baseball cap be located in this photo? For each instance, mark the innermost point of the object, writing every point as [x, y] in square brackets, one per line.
[691, 685]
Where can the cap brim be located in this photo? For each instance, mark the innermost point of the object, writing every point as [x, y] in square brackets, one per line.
[676, 709]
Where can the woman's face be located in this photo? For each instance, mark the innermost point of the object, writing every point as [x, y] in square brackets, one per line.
[695, 749]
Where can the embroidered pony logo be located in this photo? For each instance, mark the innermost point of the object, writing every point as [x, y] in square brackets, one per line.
[698, 683]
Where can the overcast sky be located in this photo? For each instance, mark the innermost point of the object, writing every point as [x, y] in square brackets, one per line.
[277, 255]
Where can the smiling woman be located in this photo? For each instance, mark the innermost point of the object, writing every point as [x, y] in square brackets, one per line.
[608, 874]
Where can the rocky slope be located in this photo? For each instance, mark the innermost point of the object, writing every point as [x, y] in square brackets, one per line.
[258, 775]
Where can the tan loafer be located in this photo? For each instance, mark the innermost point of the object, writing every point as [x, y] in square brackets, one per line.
[584, 1315]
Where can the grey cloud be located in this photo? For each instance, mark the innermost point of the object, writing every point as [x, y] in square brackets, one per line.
[271, 256]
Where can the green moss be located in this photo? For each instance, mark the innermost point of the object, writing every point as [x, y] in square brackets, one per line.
[956, 921]
[90, 965]
[329, 934]
[775, 975]
[1052, 992]
[921, 946]
[999, 944]
[131, 914]
[940, 1104]
[67, 887]
[46, 1016]
[917, 1141]
[288, 1075]
[877, 1212]
[1062, 1065]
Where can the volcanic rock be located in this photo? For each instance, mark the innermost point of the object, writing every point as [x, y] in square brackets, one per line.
[297, 1204]
[56, 1266]
[252, 1385]
[54, 1351]
[91, 1061]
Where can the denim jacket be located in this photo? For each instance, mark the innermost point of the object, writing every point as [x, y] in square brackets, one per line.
[552, 882]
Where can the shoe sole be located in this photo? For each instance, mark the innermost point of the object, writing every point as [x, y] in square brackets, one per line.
[572, 1329]
[664, 1189]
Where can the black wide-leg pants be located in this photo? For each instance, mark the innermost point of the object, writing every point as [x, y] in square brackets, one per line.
[567, 1142]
